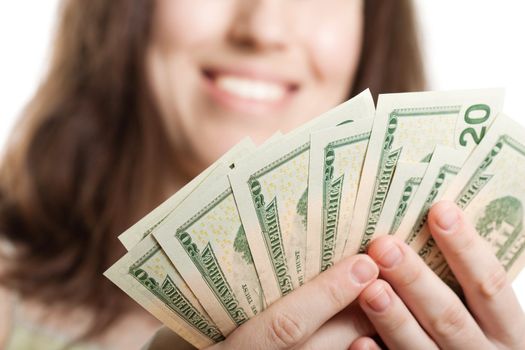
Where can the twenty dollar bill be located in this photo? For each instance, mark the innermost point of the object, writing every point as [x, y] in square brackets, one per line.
[205, 239]
[442, 170]
[336, 158]
[405, 184]
[271, 191]
[491, 191]
[147, 276]
[407, 127]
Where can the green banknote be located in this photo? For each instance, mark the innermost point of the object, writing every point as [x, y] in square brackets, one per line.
[443, 168]
[336, 158]
[271, 192]
[405, 183]
[205, 239]
[407, 127]
[148, 223]
[491, 191]
[146, 275]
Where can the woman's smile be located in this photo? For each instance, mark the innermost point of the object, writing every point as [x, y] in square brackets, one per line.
[222, 70]
[248, 89]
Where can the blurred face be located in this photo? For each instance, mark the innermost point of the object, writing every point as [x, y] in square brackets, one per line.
[225, 69]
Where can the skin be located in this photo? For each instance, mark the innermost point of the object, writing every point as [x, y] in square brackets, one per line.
[195, 43]
[409, 307]
[412, 308]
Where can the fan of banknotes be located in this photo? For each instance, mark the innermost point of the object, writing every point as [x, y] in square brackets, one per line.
[262, 221]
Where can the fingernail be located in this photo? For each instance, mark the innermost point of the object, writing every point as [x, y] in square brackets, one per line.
[380, 301]
[391, 256]
[363, 270]
[372, 346]
[447, 218]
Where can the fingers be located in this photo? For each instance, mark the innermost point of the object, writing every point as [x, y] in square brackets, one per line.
[341, 330]
[294, 318]
[482, 277]
[435, 306]
[391, 318]
[364, 343]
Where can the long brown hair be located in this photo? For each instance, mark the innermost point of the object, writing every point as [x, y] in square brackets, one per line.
[85, 160]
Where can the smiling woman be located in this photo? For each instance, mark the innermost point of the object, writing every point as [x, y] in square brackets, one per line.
[261, 66]
[139, 97]
[256, 68]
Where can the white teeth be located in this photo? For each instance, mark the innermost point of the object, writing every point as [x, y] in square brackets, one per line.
[250, 89]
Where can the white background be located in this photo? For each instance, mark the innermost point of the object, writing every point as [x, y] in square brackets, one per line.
[468, 44]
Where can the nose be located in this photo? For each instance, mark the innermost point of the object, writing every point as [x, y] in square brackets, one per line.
[260, 25]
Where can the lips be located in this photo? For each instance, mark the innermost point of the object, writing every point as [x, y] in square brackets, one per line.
[258, 90]
[249, 90]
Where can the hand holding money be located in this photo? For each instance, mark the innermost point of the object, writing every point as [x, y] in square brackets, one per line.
[414, 309]
[252, 239]
[305, 316]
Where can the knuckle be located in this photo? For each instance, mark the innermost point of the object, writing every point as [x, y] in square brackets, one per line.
[410, 275]
[465, 244]
[494, 283]
[396, 323]
[285, 331]
[336, 294]
[451, 322]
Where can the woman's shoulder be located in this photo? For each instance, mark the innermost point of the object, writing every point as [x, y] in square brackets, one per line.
[30, 324]
[7, 298]
[6, 315]
[26, 320]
